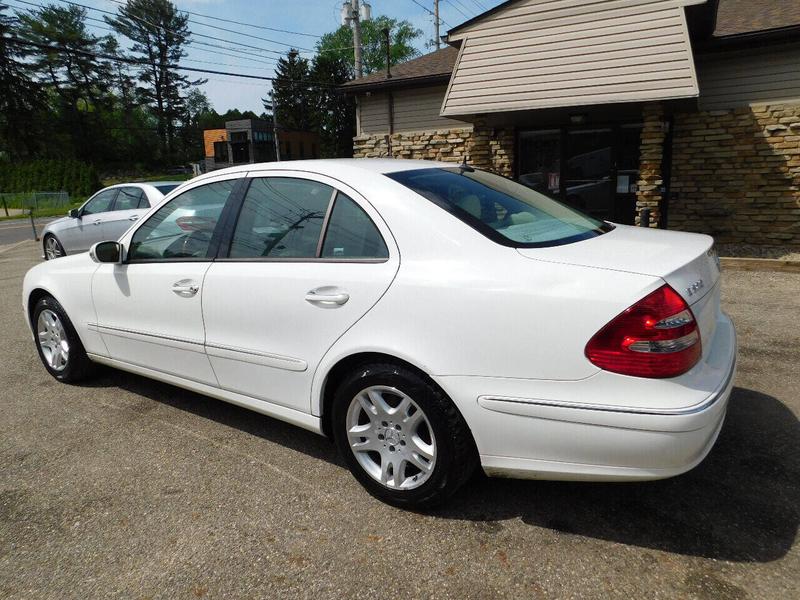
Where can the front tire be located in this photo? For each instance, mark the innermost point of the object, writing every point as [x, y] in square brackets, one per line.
[401, 437]
[60, 349]
[52, 247]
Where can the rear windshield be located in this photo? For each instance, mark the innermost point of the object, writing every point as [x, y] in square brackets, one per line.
[166, 189]
[503, 210]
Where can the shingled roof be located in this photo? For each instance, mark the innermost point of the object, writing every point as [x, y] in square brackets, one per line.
[431, 68]
[735, 17]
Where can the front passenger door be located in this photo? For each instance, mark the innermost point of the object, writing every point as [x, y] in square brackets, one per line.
[87, 229]
[149, 308]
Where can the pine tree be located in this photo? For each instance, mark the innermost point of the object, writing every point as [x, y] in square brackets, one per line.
[159, 33]
[79, 80]
[293, 95]
[335, 112]
[21, 100]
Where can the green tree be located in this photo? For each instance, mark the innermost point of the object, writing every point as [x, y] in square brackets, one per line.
[21, 100]
[339, 43]
[293, 94]
[160, 34]
[78, 81]
[335, 113]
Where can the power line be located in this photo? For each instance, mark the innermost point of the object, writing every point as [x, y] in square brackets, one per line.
[134, 61]
[243, 55]
[455, 4]
[480, 5]
[430, 12]
[231, 30]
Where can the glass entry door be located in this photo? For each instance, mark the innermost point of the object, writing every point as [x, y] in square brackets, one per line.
[594, 169]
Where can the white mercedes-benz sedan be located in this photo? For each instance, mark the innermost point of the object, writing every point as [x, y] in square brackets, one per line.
[429, 317]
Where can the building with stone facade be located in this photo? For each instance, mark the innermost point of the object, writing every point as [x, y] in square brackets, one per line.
[687, 108]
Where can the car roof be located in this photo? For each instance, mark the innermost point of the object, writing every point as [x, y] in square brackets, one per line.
[334, 166]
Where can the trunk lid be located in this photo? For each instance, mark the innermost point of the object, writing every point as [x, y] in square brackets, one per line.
[686, 261]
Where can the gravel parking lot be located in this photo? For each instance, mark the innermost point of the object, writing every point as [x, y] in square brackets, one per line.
[129, 488]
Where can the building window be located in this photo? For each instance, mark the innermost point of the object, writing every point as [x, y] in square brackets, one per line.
[220, 151]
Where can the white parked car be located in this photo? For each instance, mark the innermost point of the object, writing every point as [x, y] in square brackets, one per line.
[429, 317]
[105, 216]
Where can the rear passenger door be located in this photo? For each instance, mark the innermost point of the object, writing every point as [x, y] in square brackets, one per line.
[307, 257]
[126, 211]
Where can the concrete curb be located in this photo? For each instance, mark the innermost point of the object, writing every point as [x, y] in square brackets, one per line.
[759, 264]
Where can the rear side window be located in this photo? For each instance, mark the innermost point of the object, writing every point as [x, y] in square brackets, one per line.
[281, 217]
[505, 211]
[129, 198]
[351, 233]
[182, 227]
[165, 189]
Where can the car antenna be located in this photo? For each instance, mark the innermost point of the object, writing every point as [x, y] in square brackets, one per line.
[464, 167]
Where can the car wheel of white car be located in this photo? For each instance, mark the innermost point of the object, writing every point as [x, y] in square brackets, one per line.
[401, 437]
[59, 347]
[53, 248]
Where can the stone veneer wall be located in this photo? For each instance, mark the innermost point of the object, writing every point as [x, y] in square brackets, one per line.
[736, 174]
[648, 193]
[483, 147]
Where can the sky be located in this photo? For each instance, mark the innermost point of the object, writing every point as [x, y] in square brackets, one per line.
[311, 17]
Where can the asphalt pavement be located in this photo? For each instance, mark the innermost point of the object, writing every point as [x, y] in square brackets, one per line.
[128, 488]
[17, 230]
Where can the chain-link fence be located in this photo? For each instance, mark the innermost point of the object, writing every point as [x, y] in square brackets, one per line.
[23, 202]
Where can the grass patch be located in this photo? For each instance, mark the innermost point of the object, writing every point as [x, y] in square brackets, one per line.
[56, 211]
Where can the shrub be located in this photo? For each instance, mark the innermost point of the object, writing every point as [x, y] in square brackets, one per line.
[75, 177]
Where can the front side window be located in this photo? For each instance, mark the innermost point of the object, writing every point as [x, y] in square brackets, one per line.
[100, 203]
[351, 233]
[182, 228]
[129, 198]
[281, 217]
[503, 210]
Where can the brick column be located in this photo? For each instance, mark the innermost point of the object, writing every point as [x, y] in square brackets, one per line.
[479, 153]
[651, 150]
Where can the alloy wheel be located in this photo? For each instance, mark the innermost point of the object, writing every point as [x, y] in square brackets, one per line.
[52, 338]
[52, 248]
[391, 438]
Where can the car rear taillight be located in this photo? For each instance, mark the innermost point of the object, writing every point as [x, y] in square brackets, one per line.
[656, 337]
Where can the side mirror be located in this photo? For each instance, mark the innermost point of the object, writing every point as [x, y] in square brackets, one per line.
[74, 213]
[106, 252]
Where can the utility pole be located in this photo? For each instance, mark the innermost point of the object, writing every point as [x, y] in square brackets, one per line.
[357, 37]
[436, 22]
[275, 125]
[353, 12]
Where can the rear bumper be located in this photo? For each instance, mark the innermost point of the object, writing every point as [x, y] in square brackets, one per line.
[607, 427]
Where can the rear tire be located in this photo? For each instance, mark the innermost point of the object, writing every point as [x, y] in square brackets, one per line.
[52, 247]
[59, 347]
[402, 438]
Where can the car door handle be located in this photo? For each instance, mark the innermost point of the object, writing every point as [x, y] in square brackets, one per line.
[327, 299]
[97, 222]
[185, 288]
[133, 218]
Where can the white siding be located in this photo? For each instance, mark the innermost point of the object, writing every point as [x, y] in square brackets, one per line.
[758, 76]
[414, 110]
[551, 53]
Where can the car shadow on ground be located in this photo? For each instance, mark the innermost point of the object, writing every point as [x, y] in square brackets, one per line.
[740, 504]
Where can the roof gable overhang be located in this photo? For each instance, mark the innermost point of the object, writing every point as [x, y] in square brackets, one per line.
[535, 54]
